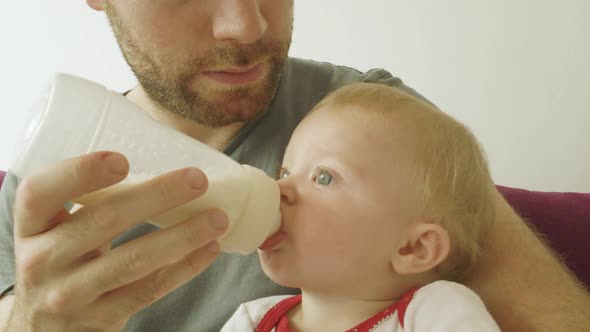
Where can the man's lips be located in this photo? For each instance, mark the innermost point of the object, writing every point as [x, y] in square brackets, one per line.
[236, 75]
[272, 241]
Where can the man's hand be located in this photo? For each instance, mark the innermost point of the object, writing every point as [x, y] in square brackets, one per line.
[68, 278]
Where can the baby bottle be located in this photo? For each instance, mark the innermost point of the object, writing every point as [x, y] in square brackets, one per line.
[74, 116]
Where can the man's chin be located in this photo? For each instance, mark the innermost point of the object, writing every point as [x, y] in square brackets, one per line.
[238, 110]
[242, 104]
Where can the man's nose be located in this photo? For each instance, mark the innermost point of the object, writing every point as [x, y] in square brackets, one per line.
[238, 20]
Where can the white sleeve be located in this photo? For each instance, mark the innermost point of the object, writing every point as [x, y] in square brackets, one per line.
[447, 306]
[248, 315]
[240, 321]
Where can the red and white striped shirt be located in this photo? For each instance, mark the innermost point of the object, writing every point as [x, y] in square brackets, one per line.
[437, 307]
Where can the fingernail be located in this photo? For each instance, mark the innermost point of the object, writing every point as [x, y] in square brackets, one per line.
[195, 179]
[213, 247]
[217, 219]
[116, 164]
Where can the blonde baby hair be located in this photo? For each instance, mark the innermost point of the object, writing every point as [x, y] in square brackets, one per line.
[450, 169]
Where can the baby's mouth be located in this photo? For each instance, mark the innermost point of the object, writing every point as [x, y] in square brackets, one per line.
[273, 241]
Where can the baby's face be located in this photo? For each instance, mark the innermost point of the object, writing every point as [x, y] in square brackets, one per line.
[346, 203]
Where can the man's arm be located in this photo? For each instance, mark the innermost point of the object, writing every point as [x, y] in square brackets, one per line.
[5, 308]
[523, 284]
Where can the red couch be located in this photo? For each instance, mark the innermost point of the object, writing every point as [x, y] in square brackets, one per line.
[563, 218]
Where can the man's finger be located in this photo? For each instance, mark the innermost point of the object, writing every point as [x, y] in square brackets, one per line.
[139, 258]
[41, 196]
[98, 224]
[135, 296]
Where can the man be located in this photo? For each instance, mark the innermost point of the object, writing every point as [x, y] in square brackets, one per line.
[218, 71]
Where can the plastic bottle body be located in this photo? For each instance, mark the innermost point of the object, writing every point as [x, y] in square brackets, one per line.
[76, 116]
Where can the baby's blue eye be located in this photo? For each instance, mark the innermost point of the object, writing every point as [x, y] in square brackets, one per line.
[283, 173]
[324, 178]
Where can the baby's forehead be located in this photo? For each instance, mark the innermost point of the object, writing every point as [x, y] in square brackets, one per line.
[360, 128]
[397, 117]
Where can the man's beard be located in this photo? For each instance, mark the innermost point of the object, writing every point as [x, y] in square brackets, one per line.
[174, 89]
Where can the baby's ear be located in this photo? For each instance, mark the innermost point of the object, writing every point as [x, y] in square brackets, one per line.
[96, 4]
[426, 246]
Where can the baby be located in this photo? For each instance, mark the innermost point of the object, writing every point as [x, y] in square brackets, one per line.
[384, 200]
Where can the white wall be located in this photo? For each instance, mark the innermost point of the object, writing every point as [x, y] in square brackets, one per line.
[516, 72]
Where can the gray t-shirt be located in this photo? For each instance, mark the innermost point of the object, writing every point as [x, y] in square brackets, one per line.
[207, 301]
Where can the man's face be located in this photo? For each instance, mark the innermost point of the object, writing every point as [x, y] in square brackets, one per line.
[215, 62]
